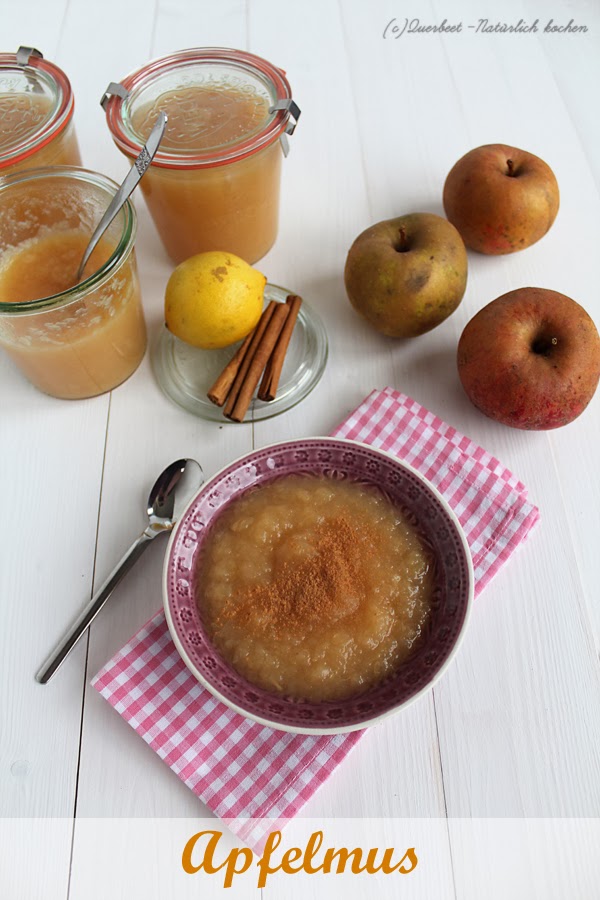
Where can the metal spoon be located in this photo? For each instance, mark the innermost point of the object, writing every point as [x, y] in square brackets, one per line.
[132, 179]
[171, 493]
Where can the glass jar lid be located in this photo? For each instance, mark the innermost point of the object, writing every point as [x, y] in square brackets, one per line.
[36, 103]
[222, 105]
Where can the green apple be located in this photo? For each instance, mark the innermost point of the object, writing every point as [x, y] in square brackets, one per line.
[407, 275]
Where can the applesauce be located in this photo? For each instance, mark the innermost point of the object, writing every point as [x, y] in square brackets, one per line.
[314, 588]
[214, 183]
[36, 116]
[47, 265]
[70, 340]
[218, 208]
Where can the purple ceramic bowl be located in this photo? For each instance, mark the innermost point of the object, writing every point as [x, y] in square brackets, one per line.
[417, 499]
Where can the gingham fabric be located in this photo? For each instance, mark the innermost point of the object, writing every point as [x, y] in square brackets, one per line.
[255, 778]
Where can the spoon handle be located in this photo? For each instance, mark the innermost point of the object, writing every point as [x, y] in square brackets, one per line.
[91, 609]
[129, 184]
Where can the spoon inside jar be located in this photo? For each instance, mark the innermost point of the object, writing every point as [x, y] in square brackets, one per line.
[131, 181]
[171, 493]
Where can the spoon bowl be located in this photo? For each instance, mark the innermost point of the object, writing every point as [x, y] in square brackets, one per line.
[171, 492]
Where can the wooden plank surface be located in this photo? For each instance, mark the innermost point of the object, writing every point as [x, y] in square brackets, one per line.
[52, 455]
[513, 729]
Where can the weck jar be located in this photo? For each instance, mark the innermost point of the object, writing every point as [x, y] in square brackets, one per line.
[36, 113]
[214, 183]
[71, 340]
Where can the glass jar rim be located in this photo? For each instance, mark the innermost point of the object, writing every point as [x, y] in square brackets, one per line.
[50, 74]
[101, 275]
[273, 128]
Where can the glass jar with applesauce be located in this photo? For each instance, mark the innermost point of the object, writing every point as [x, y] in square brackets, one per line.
[36, 113]
[214, 183]
[71, 340]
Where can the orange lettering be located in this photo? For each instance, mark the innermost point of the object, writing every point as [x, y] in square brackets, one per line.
[412, 858]
[344, 855]
[387, 866]
[293, 861]
[208, 863]
[289, 857]
[273, 841]
[371, 867]
[316, 838]
[186, 856]
[231, 861]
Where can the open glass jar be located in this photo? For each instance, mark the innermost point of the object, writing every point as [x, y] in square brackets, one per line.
[36, 113]
[70, 340]
[214, 183]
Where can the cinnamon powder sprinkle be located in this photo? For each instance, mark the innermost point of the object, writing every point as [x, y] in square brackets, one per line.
[322, 589]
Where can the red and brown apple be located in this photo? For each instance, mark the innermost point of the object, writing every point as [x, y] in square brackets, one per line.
[407, 275]
[501, 199]
[530, 359]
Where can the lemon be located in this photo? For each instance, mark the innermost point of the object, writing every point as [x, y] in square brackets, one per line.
[213, 299]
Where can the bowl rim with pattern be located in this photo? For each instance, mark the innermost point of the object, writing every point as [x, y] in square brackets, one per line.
[338, 458]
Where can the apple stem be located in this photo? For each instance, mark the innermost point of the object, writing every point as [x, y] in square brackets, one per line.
[511, 167]
[402, 245]
[542, 345]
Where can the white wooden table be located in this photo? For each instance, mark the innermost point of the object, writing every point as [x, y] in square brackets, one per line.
[513, 730]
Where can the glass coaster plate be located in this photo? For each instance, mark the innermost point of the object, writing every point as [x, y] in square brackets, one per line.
[186, 373]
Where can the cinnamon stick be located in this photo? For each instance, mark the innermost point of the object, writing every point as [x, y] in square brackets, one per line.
[259, 361]
[255, 339]
[270, 382]
[218, 392]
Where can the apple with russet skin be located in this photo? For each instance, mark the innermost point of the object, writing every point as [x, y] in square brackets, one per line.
[407, 275]
[530, 359]
[501, 199]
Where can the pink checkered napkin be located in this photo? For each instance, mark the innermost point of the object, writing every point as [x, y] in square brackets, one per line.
[255, 777]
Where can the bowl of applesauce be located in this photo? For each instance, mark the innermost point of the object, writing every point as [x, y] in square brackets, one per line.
[318, 585]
